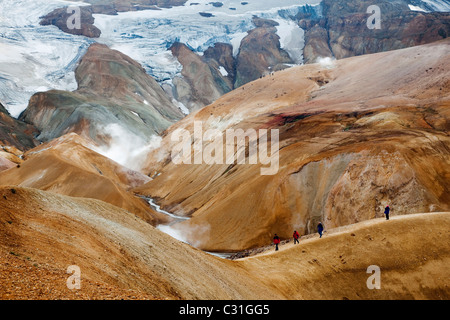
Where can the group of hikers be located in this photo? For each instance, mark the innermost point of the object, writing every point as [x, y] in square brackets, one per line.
[296, 235]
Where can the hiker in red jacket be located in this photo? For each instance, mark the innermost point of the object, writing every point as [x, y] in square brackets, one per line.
[296, 236]
[276, 240]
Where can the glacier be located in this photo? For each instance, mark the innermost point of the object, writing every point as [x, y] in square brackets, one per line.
[37, 58]
[146, 35]
[430, 5]
[34, 58]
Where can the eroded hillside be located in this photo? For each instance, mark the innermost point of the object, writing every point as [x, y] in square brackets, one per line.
[121, 256]
[354, 136]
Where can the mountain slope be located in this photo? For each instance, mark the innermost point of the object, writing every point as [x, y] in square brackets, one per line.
[201, 83]
[16, 133]
[46, 233]
[112, 246]
[355, 135]
[342, 31]
[206, 78]
[69, 166]
[410, 252]
[113, 90]
[260, 53]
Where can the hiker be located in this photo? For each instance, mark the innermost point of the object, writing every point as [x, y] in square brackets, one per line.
[276, 240]
[320, 229]
[296, 236]
[386, 212]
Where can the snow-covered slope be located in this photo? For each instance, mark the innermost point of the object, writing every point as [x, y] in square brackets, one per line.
[33, 57]
[38, 58]
[146, 35]
[430, 5]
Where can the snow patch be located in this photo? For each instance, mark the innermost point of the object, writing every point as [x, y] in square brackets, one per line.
[438, 5]
[416, 8]
[236, 42]
[223, 72]
[193, 235]
[292, 39]
[181, 106]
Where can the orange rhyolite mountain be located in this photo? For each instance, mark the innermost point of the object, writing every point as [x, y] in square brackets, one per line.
[122, 257]
[69, 165]
[355, 135]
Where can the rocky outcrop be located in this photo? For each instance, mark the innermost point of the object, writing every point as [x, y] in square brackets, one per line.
[355, 136]
[220, 58]
[339, 31]
[260, 53]
[201, 82]
[16, 133]
[316, 42]
[71, 165]
[113, 90]
[342, 30]
[206, 78]
[62, 18]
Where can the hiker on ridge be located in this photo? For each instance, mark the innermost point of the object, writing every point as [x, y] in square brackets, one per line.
[320, 229]
[276, 240]
[386, 212]
[296, 236]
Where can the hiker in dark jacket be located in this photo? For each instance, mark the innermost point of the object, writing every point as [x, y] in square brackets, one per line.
[386, 212]
[296, 235]
[320, 229]
[276, 240]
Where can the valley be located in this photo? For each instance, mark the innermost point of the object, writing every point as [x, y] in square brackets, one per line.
[157, 151]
